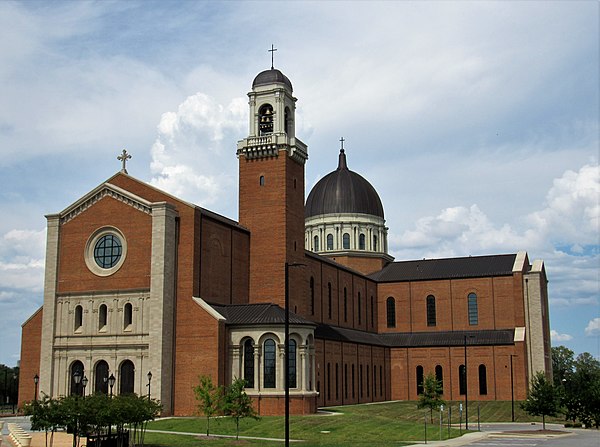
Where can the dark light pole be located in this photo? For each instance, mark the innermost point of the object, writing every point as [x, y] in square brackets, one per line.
[111, 383]
[77, 380]
[512, 390]
[16, 391]
[36, 380]
[149, 375]
[466, 385]
[84, 382]
[287, 349]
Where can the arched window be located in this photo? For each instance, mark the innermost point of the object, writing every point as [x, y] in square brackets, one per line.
[101, 377]
[462, 380]
[330, 242]
[127, 315]
[329, 306]
[328, 381]
[361, 242]
[102, 316]
[419, 380]
[439, 376]
[287, 120]
[482, 380]
[269, 364]
[78, 317]
[265, 119]
[126, 377]
[292, 364]
[345, 305]
[76, 367]
[431, 320]
[346, 241]
[261, 180]
[312, 295]
[360, 381]
[374, 243]
[359, 309]
[346, 380]
[249, 363]
[316, 243]
[391, 312]
[473, 315]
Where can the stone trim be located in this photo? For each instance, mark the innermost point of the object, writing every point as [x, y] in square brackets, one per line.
[97, 194]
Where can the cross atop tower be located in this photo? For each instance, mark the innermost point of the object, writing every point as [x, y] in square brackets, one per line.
[342, 141]
[272, 51]
[123, 158]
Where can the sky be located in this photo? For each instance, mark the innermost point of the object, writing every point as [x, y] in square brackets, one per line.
[477, 123]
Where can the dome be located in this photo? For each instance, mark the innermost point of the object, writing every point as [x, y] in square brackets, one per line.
[343, 191]
[271, 76]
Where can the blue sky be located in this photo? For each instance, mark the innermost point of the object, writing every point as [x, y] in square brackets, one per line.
[477, 123]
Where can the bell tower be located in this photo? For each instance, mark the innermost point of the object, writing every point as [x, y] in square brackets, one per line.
[271, 195]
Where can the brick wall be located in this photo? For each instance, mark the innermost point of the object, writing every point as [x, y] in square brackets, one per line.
[31, 342]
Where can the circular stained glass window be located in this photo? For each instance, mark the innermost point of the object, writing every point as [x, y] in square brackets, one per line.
[108, 251]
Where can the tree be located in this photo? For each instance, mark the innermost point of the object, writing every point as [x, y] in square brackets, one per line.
[432, 394]
[238, 404]
[562, 364]
[543, 398]
[209, 399]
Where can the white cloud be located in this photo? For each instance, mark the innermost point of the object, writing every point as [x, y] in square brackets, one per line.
[555, 336]
[593, 327]
[22, 260]
[193, 156]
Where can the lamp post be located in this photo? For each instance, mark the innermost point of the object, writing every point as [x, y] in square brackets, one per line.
[84, 382]
[111, 383]
[466, 385]
[149, 375]
[77, 380]
[36, 380]
[16, 392]
[512, 390]
[287, 349]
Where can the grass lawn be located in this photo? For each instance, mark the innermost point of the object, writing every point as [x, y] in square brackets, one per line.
[387, 424]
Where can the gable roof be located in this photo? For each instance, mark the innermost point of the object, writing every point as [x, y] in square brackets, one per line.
[448, 268]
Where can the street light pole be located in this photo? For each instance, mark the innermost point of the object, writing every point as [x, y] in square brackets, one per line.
[149, 375]
[512, 390]
[36, 380]
[466, 389]
[111, 383]
[84, 382]
[286, 362]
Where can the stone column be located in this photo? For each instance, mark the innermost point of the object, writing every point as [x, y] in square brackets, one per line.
[302, 371]
[234, 357]
[162, 302]
[48, 319]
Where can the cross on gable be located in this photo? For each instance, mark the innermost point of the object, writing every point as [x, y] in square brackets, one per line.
[123, 158]
[272, 51]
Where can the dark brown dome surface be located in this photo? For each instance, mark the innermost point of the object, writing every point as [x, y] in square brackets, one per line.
[343, 191]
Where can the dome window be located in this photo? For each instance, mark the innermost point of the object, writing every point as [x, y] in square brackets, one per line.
[330, 242]
[361, 242]
[265, 119]
[346, 241]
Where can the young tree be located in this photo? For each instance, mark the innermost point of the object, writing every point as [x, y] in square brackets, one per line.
[432, 394]
[209, 399]
[238, 404]
[543, 399]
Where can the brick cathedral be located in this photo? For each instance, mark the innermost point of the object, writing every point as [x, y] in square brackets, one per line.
[138, 281]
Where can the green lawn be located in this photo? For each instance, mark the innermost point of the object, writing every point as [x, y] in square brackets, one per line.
[388, 424]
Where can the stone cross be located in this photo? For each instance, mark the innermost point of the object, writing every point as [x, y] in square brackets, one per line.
[123, 158]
